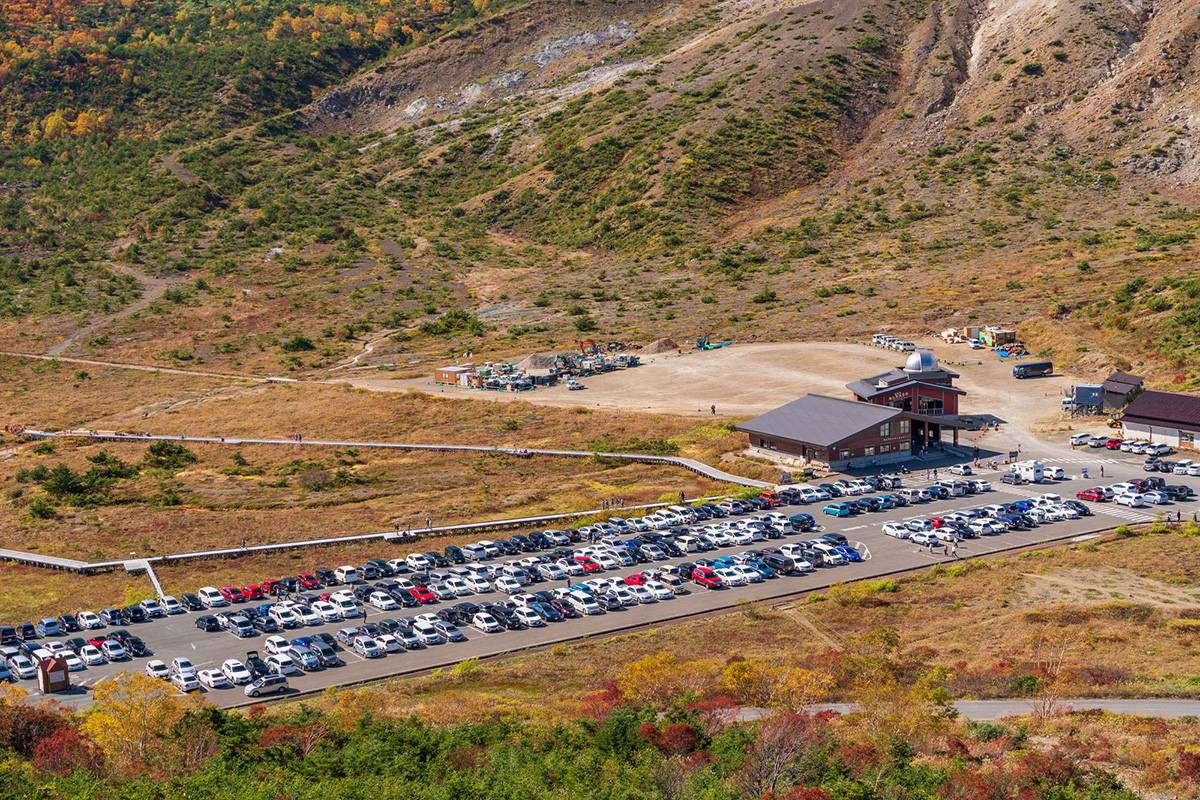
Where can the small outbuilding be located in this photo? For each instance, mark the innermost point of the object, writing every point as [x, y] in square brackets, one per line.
[459, 375]
[1166, 418]
[1120, 388]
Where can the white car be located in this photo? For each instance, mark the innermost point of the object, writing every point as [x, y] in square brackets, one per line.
[731, 577]
[428, 634]
[171, 605]
[213, 679]
[660, 590]
[367, 647]
[236, 672]
[113, 650]
[529, 617]
[460, 586]
[23, 666]
[982, 486]
[485, 622]
[960, 469]
[507, 584]
[91, 655]
[897, 529]
[389, 643]
[183, 666]
[281, 664]
[442, 591]
[153, 609]
[1080, 438]
[1156, 497]
[74, 662]
[417, 561]
[382, 601]
[1055, 473]
[276, 645]
[284, 616]
[642, 594]
[477, 584]
[1194, 469]
[89, 620]
[327, 611]
[157, 669]
[1131, 499]
[924, 538]
[185, 683]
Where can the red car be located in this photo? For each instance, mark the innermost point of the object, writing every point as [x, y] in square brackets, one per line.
[636, 579]
[706, 578]
[423, 595]
[254, 592]
[936, 522]
[588, 564]
[1113, 444]
[96, 641]
[268, 586]
[1092, 495]
[232, 594]
[307, 580]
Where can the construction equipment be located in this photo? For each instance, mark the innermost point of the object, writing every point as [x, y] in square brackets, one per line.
[704, 343]
[587, 347]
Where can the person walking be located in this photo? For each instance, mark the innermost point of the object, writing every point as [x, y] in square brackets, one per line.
[954, 550]
[1101, 470]
[713, 409]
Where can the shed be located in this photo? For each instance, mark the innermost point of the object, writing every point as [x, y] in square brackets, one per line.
[457, 375]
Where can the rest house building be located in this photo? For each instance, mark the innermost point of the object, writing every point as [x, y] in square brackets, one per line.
[892, 417]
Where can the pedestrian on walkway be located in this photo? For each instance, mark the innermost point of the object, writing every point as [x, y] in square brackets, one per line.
[1101, 470]
[713, 409]
[954, 550]
[428, 522]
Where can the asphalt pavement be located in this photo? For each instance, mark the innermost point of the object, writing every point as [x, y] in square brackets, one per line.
[178, 636]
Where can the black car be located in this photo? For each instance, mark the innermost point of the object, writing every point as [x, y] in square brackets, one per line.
[76, 643]
[1179, 491]
[135, 613]
[325, 576]
[256, 665]
[368, 572]
[870, 503]
[327, 638]
[563, 608]
[506, 547]
[68, 623]
[455, 555]
[8, 636]
[370, 628]
[504, 616]
[27, 631]
[833, 491]
[835, 538]
[382, 567]
[325, 654]
[388, 625]
[1083, 510]
[939, 492]
[191, 602]
[208, 623]
[362, 591]
[438, 559]
[404, 598]
[685, 570]
[136, 647]
[112, 616]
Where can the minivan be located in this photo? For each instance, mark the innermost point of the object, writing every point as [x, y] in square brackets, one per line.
[211, 597]
[346, 574]
[267, 684]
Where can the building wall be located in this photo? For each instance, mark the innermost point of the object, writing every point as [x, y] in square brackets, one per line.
[867, 445]
[1160, 434]
[913, 395]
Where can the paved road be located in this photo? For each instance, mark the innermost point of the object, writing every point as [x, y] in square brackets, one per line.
[178, 636]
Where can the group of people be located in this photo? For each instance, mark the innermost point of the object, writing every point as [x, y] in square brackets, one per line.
[613, 502]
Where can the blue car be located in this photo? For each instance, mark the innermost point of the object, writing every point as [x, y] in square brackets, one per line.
[886, 501]
[49, 627]
[838, 510]
[723, 561]
[849, 553]
[760, 568]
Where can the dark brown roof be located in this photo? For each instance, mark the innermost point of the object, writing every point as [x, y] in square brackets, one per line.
[1165, 408]
[1123, 383]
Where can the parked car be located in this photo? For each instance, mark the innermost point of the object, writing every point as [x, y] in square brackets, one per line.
[267, 684]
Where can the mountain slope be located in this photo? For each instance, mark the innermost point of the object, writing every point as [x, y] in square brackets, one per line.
[631, 168]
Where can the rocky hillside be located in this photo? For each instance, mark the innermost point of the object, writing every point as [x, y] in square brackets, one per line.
[508, 177]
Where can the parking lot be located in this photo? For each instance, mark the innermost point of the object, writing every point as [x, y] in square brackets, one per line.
[177, 635]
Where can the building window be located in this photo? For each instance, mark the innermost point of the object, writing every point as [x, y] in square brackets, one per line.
[904, 426]
[932, 406]
[885, 429]
[844, 455]
[885, 447]
[868, 451]
[1187, 437]
[906, 445]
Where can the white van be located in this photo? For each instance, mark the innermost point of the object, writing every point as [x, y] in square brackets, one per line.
[348, 608]
[685, 514]
[211, 598]
[346, 574]
[475, 552]
[583, 604]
